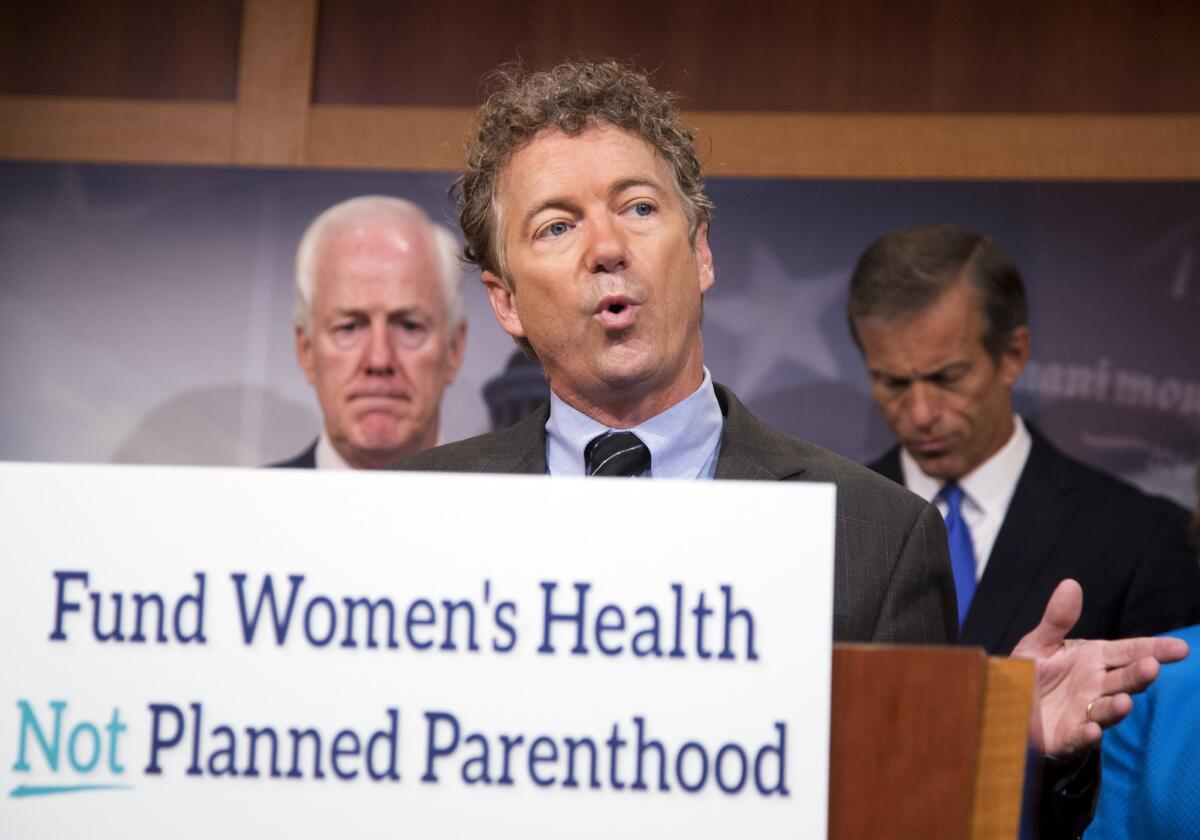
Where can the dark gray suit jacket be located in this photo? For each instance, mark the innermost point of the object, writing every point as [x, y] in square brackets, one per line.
[892, 580]
[1128, 551]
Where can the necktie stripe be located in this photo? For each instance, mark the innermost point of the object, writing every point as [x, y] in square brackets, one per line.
[603, 463]
[616, 454]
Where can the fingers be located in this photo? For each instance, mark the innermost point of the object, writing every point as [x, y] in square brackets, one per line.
[1083, 737]
[1133, 678]
[1165, 649]
[1110, 710]
[1061, 613]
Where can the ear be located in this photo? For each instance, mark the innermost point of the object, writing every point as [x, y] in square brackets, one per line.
[457, 345]
[704, 259]
[304, 355]
[1015, 355]
[504, 304]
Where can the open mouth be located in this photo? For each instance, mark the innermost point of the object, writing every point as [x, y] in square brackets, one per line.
[616, 312]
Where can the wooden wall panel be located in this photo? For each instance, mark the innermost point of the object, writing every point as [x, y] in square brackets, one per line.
[859, 89]
[131, 49]
[955, 146]
[115, 130]
[762, 145]
[921, 56]
[275, 82]
[351, 137]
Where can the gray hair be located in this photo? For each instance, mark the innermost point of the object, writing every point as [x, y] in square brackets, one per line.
[367, 207]
[904, 273]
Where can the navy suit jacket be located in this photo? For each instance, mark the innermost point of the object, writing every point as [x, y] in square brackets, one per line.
[306, 460]
[1129, 552]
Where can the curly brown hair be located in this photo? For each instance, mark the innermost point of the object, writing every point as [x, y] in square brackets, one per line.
[571, 97]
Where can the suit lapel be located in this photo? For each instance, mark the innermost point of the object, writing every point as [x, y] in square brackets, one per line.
[751, 450]
[522, 448]
[1041, 507]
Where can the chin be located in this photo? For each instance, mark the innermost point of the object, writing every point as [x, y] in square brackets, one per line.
[384, 439]
[627, 366]
[939, 467]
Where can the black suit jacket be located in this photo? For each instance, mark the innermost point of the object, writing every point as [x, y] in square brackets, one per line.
[1128, 551]
[306, 460]
[892, 580]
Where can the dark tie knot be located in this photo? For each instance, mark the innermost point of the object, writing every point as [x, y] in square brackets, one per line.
[618, 454]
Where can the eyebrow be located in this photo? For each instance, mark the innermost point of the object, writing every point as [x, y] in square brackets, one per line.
[564, 203]
[557, 203]
[879, 373]
[630, 183]
[355, 311]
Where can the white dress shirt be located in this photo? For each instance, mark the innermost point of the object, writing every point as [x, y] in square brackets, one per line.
[329, 458]
[987, 491]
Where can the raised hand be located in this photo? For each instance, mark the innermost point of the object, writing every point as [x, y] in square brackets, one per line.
[1081, 686]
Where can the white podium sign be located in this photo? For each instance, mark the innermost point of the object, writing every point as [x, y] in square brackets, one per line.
[238, 653]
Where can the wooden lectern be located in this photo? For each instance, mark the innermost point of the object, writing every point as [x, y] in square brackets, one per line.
[927, 742]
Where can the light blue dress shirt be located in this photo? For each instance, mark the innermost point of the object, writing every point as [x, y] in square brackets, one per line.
[684, 440]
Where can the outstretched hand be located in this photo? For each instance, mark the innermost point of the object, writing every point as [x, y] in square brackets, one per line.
[1082, 687]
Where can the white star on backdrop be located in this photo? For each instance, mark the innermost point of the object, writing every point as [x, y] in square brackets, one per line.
[777, 318]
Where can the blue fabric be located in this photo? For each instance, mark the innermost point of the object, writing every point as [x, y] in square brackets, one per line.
[684, 441]
[962, 550]
[1151, 760]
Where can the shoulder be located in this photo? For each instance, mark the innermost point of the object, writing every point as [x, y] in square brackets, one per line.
[306, 460]
[1096, 488]
[519, 449]
[888, 465]
[757, 447]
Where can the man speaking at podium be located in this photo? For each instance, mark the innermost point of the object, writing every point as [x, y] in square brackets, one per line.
[583, 205]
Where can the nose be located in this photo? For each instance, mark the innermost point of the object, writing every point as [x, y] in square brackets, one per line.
[924, 405]
[381, 355]
[606, 250]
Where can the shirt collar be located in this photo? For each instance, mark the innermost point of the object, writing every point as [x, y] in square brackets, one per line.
[681, 439]
[327, 457]
[990, 485]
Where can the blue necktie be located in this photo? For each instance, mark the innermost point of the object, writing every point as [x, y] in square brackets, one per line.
[962, 550]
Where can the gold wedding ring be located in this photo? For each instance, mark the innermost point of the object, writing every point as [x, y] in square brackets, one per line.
[1089, 711]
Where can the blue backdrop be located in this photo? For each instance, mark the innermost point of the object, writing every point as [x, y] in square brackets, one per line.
[145, 311]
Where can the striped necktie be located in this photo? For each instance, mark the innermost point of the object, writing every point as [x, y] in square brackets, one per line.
[616, 454]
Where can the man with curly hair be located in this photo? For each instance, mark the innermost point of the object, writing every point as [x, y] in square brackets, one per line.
[583, 205]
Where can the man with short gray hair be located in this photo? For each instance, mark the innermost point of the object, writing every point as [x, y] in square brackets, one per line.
[379, 329]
